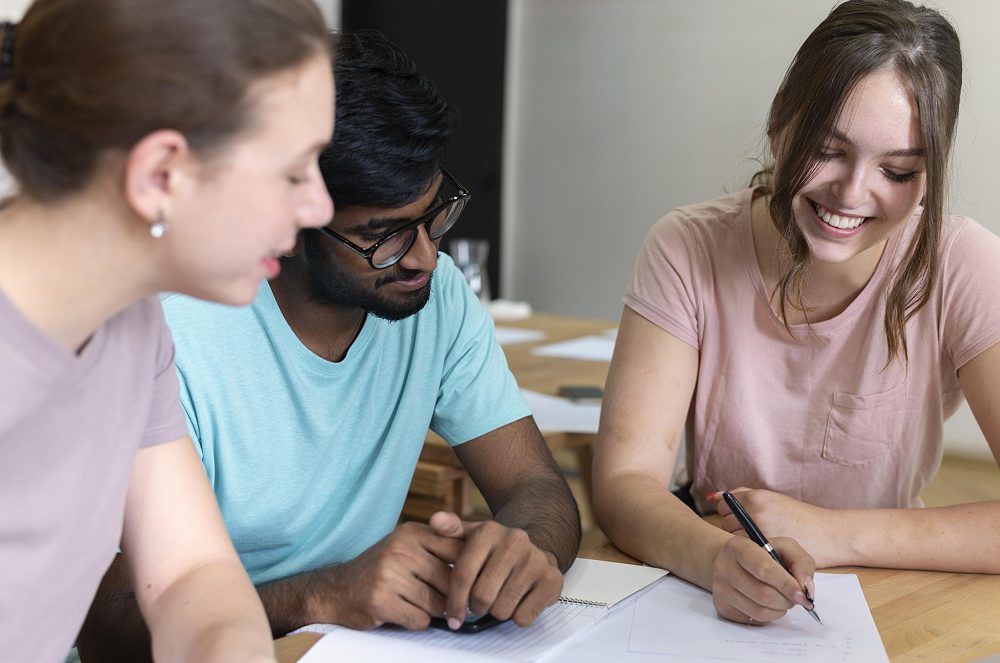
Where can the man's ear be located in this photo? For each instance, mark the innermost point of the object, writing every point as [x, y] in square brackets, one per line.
[152, 171]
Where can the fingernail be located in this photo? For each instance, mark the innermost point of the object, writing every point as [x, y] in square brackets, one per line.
[711, 495]
[799, 597]
[810, 589]
[454, 623]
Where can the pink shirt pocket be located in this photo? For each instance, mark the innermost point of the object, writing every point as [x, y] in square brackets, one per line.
[864, 428]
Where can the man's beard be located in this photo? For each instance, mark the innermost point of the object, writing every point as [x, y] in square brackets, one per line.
[329, 284]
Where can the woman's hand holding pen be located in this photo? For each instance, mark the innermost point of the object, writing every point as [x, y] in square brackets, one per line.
[815, 528]
[750, 588]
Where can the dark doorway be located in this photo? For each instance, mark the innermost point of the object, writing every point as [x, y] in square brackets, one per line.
[461, 46]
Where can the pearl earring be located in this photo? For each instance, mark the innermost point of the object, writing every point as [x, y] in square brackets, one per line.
[158, 229]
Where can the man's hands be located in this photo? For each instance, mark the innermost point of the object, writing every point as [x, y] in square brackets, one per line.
[403, 579]
[499, 571]
[407, 577]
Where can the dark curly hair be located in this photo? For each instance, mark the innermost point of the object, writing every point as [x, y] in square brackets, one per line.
[392, 127]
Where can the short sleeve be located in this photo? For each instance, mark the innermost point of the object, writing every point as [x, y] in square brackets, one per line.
[970, 281]
[166, 421]
[664, 284]
[478, 393]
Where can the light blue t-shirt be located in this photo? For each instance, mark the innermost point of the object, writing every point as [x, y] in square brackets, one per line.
[311, 460]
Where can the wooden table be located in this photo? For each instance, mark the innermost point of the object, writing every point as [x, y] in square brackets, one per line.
[537, 373]
[924, 616]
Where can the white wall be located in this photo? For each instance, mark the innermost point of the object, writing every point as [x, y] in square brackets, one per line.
[619, 111]
[13, 9]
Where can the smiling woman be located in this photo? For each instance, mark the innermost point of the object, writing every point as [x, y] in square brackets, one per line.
[156, 146]
[810, 334]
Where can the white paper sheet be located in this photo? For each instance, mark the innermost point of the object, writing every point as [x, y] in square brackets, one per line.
[558, 624]
[676, 622]
[342, 644]
[593, 348]
[554, 413]
[513, 335]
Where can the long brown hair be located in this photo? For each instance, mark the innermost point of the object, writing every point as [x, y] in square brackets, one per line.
[83, 77]
[858, 38]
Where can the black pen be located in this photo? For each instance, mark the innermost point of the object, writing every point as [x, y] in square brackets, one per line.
[750, 527]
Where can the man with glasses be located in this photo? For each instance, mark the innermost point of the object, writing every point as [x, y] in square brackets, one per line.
[310, 407]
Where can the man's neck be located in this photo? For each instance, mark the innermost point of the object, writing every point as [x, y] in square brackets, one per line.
[327, 329]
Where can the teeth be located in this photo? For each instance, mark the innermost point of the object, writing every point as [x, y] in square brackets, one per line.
[837, 221]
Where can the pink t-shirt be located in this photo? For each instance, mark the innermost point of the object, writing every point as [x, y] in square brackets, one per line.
[70, 426]
[815, 417]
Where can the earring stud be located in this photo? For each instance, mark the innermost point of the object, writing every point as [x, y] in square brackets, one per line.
[158, 229]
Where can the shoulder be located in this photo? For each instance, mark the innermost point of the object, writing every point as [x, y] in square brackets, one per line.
[141, 325]
[453, 310]
[187, 315]
[703, 232]
[962, 233]
[966, 245]
[448, 288]
[705, 223]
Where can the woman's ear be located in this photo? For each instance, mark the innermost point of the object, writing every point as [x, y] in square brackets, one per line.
[152, 171]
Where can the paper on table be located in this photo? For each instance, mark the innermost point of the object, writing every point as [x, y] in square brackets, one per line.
[343, 644]
[593, 348]
[556, 625]
[553, 413]
[512, 335]
[675, 621]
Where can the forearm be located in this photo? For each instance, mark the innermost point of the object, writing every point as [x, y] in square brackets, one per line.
[961, 538]
[294, 602]
[544, 507]
[643, 519]
[210, 613]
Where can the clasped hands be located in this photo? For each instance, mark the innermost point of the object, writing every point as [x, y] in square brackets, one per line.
[422, 571]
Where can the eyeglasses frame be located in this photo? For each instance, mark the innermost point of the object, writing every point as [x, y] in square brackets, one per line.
[424, 219]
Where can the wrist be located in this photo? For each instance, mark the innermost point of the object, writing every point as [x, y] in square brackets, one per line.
[845, 542]
[321, 588]
[302, 599]
[712, 541]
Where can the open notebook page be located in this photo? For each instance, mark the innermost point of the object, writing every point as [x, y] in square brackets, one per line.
[606, 583]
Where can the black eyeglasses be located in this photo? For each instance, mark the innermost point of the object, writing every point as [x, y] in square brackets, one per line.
[437, 221]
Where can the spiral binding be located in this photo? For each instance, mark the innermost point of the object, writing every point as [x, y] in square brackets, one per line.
[591, 604]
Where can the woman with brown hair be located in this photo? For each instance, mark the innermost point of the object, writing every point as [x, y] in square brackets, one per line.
[156, 146]
[810, 334]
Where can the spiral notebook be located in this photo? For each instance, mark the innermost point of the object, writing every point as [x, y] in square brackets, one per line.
[591, 590]
[606, 584]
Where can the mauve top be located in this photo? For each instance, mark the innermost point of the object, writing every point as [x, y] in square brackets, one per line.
[814, 417]
[70, 426]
